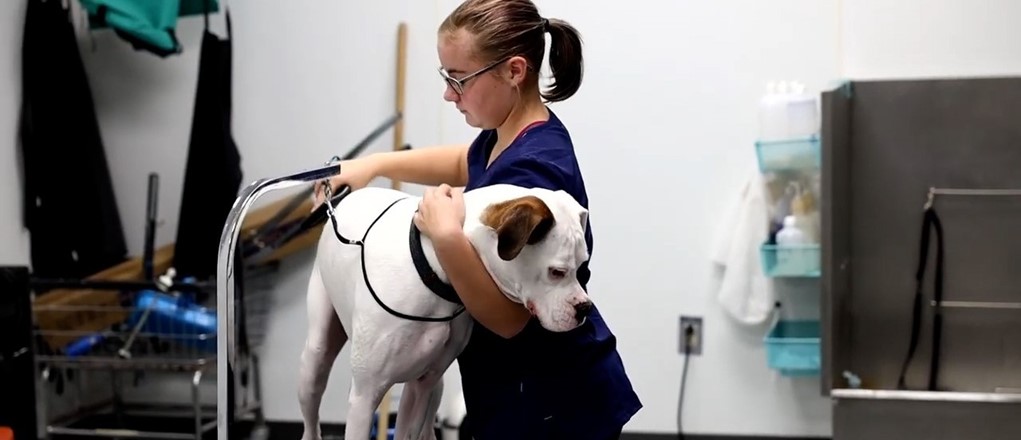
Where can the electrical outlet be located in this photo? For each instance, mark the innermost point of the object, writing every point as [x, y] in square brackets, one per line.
[694, 341]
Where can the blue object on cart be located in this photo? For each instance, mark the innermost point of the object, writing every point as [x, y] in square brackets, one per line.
[83, 345]
[390, 432]
[177, 319]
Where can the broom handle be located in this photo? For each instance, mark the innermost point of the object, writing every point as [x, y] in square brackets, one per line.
[402, 66]
[383, 421]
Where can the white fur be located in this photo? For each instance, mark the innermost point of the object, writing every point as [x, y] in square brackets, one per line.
[385, 349]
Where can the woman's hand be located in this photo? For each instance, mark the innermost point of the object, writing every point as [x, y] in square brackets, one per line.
[440, 214]
[356, 173]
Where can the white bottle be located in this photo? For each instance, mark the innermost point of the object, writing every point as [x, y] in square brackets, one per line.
[790, 236]
[802, 112]
[790, 233]
[772, 115]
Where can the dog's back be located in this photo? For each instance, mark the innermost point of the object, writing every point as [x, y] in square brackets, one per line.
[362, 291]
[338, 263]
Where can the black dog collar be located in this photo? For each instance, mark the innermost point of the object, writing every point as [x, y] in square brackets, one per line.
[425, 272]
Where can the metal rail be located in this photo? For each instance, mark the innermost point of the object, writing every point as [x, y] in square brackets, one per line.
[933, 192]
[976, 191]
[973, 192]
[977, 305]
[225, 285]
[930, 396]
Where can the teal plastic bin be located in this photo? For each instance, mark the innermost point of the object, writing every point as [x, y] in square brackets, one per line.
[792, 347]
[791, 261]
[789, 154]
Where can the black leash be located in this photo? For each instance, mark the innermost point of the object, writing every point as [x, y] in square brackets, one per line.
[930, 221]
[361, 243]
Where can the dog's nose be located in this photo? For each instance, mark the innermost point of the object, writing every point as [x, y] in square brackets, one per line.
[582, 310]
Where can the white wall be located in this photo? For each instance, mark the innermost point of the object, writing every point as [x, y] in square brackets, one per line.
[931, 38]
[669, 94]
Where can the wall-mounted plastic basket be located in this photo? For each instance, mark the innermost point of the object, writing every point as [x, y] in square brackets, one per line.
[791, 261]
[789, 154]
[792, 348]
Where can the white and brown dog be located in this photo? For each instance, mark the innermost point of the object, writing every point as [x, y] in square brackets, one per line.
[376, 282]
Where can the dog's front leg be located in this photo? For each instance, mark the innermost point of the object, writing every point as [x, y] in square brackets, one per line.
[367, 390]
[413, 418]
[409, 397]
[428, 422]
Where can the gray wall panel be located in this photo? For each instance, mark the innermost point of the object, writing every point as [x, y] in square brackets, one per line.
[884, 146]
[906, 136]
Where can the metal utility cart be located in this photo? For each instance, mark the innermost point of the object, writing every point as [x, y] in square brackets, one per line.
[138, 338]
[133, 325]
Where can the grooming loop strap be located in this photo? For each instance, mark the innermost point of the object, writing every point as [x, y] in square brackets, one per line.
[365, 274]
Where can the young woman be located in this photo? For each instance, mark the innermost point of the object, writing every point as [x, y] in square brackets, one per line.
[520, 381]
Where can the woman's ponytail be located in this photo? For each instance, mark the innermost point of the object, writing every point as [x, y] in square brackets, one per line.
[565, 60]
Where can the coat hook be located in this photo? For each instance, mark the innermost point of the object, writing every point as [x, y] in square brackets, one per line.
[932, 194]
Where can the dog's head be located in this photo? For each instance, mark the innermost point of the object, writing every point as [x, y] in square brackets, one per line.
[533, 246]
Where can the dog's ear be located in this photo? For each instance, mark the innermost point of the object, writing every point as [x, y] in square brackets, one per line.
[520, 221]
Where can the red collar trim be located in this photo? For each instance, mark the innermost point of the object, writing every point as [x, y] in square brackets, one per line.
[528, 127]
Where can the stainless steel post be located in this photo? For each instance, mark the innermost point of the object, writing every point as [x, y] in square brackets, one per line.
[225, 294]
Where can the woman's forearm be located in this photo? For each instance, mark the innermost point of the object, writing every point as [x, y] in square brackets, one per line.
[430, 166]
[476, 288]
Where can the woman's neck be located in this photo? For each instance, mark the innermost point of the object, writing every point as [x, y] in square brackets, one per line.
[518, 119]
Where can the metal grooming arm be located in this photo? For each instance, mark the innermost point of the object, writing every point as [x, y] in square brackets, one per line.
[225, 295]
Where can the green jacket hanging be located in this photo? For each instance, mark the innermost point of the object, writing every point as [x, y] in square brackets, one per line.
[147, 24]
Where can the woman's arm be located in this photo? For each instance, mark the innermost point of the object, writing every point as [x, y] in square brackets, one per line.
[441, 218]
[430, 166]
[476, 288]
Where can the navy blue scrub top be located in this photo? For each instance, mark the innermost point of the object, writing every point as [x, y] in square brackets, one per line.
[541, 384]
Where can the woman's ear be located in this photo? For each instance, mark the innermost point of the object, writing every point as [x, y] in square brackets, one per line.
[517, 70]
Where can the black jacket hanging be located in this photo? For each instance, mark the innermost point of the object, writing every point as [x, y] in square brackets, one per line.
[930, 221]
[69, 205]
[213, 174]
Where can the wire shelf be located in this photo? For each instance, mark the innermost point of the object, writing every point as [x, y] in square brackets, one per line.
[145, 329]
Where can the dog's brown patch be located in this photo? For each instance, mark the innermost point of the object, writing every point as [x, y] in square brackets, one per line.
[520, 221]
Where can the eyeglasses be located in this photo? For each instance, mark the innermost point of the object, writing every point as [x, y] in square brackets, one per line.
[458, 84]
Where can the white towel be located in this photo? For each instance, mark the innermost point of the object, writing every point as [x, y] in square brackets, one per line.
[745, 293]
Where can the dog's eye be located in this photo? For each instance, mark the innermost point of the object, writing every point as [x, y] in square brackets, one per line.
[556, 273]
